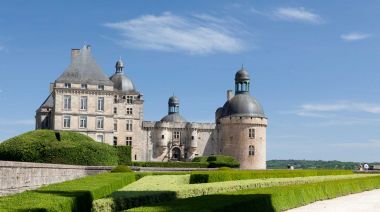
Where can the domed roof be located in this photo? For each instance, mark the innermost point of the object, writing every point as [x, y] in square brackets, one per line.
[242, 74]
[243, 105]
[174, 117]
[119, 64]
[173, 100]
[122, 82]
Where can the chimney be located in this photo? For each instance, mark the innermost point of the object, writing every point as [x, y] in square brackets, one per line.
[229, 95]
[74, 53]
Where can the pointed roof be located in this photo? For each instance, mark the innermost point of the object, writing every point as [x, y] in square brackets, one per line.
[48, 103]
[83, 69]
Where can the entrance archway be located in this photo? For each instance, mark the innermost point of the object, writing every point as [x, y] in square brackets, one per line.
[176, 154]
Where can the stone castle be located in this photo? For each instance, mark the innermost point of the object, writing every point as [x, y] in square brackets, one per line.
[110, 110]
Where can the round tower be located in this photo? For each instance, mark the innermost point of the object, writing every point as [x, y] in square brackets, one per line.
[242, 125]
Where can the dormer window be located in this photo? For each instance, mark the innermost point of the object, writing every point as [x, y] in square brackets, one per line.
[83, 86]
[100, 87]
[67, 85]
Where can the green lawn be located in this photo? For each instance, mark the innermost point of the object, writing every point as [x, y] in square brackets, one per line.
[75, 195]
[277, 198]
[155, 189]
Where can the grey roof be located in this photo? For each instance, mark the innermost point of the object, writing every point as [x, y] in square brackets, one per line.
[242, 74]
[122, 82]
[119, 64]
[174, 117]
[83, 69]
[243, 105]
[49, 102]
[173, 100]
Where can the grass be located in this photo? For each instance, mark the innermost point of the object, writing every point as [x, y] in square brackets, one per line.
[75, 195]
[277, 198]
[155, 189]
[212, 176]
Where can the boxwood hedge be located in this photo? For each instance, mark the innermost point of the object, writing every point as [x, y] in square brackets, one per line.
[229, 175]
[215, 161]
[62, 147]
[278, 198]
[75, 195]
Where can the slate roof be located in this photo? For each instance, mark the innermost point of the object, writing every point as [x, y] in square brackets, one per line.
[48, 103]
[83, 69]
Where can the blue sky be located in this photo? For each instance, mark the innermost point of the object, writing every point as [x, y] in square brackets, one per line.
[314, 65]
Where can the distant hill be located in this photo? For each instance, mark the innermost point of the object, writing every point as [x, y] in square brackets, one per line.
[312, 164]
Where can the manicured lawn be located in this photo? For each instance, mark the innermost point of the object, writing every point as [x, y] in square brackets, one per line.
[155, 189]
[219, 176]
[277, 198]
[75, 195]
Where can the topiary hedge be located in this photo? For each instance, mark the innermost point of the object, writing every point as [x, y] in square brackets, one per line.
[62, 147]
[277, 198]
[170, 164]
[124, 154]
[75, 195]
[219, 176]
[216, 161]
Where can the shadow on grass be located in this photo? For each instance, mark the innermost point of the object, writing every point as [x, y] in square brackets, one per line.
[220, 202]
[131, 199]
[82, 200]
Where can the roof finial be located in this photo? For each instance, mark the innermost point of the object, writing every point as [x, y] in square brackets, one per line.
[242, 66]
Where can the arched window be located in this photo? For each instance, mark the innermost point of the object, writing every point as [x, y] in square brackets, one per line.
[251, 150]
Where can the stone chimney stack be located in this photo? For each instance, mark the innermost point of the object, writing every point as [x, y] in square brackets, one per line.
[230, 94]
[74, 53]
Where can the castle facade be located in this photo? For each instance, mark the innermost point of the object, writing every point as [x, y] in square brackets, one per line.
[110, 110]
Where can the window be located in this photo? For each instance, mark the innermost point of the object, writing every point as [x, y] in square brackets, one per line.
[128, 141]
[192, 137]
[129, 111]
[115, 141]
[115, 110]
[83, 86]
[162, 136]
[115, 125]
[101, 104]
[251, 150]
[176, 136]
[251, 133]
[99, 122]
[66, 121]
[66, 102]
[100, 87]
[129, 125]
[129, 99]
[83, 122]
[115, 99]
[83, 102]
[100, 138]
[67, 85]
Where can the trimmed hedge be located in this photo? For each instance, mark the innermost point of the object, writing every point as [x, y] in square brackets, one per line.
[170, 164]
[75, 195]
[216, 161]
[278, 198]
[219, 176]
[124, 154]
[63, 147]
[157, 189]
[121, 168]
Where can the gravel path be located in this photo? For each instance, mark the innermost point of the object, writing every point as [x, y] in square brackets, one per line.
[360, 202]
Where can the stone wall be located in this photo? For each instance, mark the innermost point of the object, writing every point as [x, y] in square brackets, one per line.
[20, 176]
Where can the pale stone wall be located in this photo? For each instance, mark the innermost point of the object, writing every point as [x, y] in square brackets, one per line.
[195, 139]
[235, 141]
[20, 176]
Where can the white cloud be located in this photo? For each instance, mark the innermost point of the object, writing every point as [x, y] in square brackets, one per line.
[297, 14]
[342, 106]
[354, 36]
[196, 34]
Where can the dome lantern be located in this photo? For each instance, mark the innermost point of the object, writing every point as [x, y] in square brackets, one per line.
[119, 66]
[242, 81]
